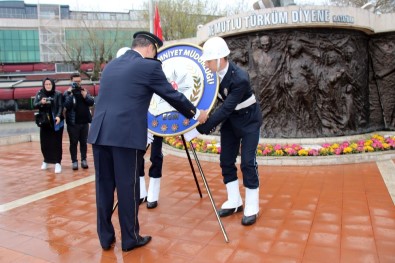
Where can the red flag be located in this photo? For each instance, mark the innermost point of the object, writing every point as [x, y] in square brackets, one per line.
[157, 25]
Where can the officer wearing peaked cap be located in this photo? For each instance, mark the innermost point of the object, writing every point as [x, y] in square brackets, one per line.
[155, 171]
[118, 135]
[151, 37]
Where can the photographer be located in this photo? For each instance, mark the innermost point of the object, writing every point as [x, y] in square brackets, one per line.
[77, 101]
[49, 102]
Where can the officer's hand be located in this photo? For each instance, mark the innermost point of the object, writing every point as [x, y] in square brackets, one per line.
[203, 116]
[57, 119]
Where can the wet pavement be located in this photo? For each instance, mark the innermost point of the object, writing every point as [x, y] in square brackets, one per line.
[315, 213]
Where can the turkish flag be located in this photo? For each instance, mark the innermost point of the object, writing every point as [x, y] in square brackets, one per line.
[157, 25]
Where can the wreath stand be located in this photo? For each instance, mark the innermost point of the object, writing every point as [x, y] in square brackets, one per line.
[205, 183]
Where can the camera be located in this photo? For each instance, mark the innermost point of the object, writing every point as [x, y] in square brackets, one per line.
[75, 86]
[49, 100]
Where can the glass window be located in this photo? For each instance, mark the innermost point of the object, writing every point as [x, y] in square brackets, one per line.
[7, 34]
[14, 34]
[29, 34]
[8, 44]
[22, 34]
[24, 56]
[19, 46]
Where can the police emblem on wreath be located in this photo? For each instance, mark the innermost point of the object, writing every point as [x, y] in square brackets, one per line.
[185, 71]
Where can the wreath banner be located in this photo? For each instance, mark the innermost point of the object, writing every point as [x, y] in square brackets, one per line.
[186, 72]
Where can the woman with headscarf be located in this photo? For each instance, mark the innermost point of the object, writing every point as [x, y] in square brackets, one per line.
[50, 103]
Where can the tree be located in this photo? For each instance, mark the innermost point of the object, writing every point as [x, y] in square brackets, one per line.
[98, 39]
[95, 42]
[383, 6]
[180, 18]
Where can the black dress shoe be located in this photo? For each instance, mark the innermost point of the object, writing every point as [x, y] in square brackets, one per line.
[142, 241]
[151, 205]
[84, 164]
[110, 246]
[249, 220]
[143, 200]
[229, 211]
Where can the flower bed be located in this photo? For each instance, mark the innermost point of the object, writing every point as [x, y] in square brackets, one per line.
[375, 143]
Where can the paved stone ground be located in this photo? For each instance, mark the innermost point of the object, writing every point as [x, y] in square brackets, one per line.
[17, 132]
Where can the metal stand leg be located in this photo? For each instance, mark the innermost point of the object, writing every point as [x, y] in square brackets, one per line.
[208, 192]
[190, 163]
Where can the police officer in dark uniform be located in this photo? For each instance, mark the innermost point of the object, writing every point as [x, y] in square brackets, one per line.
[241, 120]
[155, 170]
[118, 134]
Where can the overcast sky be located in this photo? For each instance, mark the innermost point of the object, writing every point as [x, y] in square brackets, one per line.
[125, 5]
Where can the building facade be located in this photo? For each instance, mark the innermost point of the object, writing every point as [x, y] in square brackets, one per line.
[54, 33]
[47, 40]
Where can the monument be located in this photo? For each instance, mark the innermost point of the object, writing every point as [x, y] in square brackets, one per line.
[318, 71]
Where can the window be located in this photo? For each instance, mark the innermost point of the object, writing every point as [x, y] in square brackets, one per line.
[18, 46]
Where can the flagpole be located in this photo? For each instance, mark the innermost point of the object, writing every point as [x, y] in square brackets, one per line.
[151, 16]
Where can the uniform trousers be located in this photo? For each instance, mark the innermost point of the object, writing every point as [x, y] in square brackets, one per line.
[230, 148]
[117, 168]
[155, 170]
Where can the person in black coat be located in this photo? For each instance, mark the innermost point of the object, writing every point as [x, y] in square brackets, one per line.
[118, 135]
[49, 102]
[77, 102]
[241, 119]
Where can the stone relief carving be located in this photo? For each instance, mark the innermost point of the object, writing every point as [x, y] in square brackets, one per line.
[315, 82]
[382, 52]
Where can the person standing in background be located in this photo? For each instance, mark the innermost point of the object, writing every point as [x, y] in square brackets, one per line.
[49, 102]
[77, 101]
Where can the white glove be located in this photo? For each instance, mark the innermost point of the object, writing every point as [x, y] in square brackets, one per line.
[190, 135]
[150, 138]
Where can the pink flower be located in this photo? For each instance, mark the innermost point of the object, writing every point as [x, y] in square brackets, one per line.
[314, 152]
[338, 151]
[291, 151]
[360, 148]
[345, 144]
[266, 151]
[377, 144]
[277, 147]
[297, 147]
[391, 142]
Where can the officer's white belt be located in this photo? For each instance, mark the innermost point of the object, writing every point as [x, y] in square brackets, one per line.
[248, 102]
